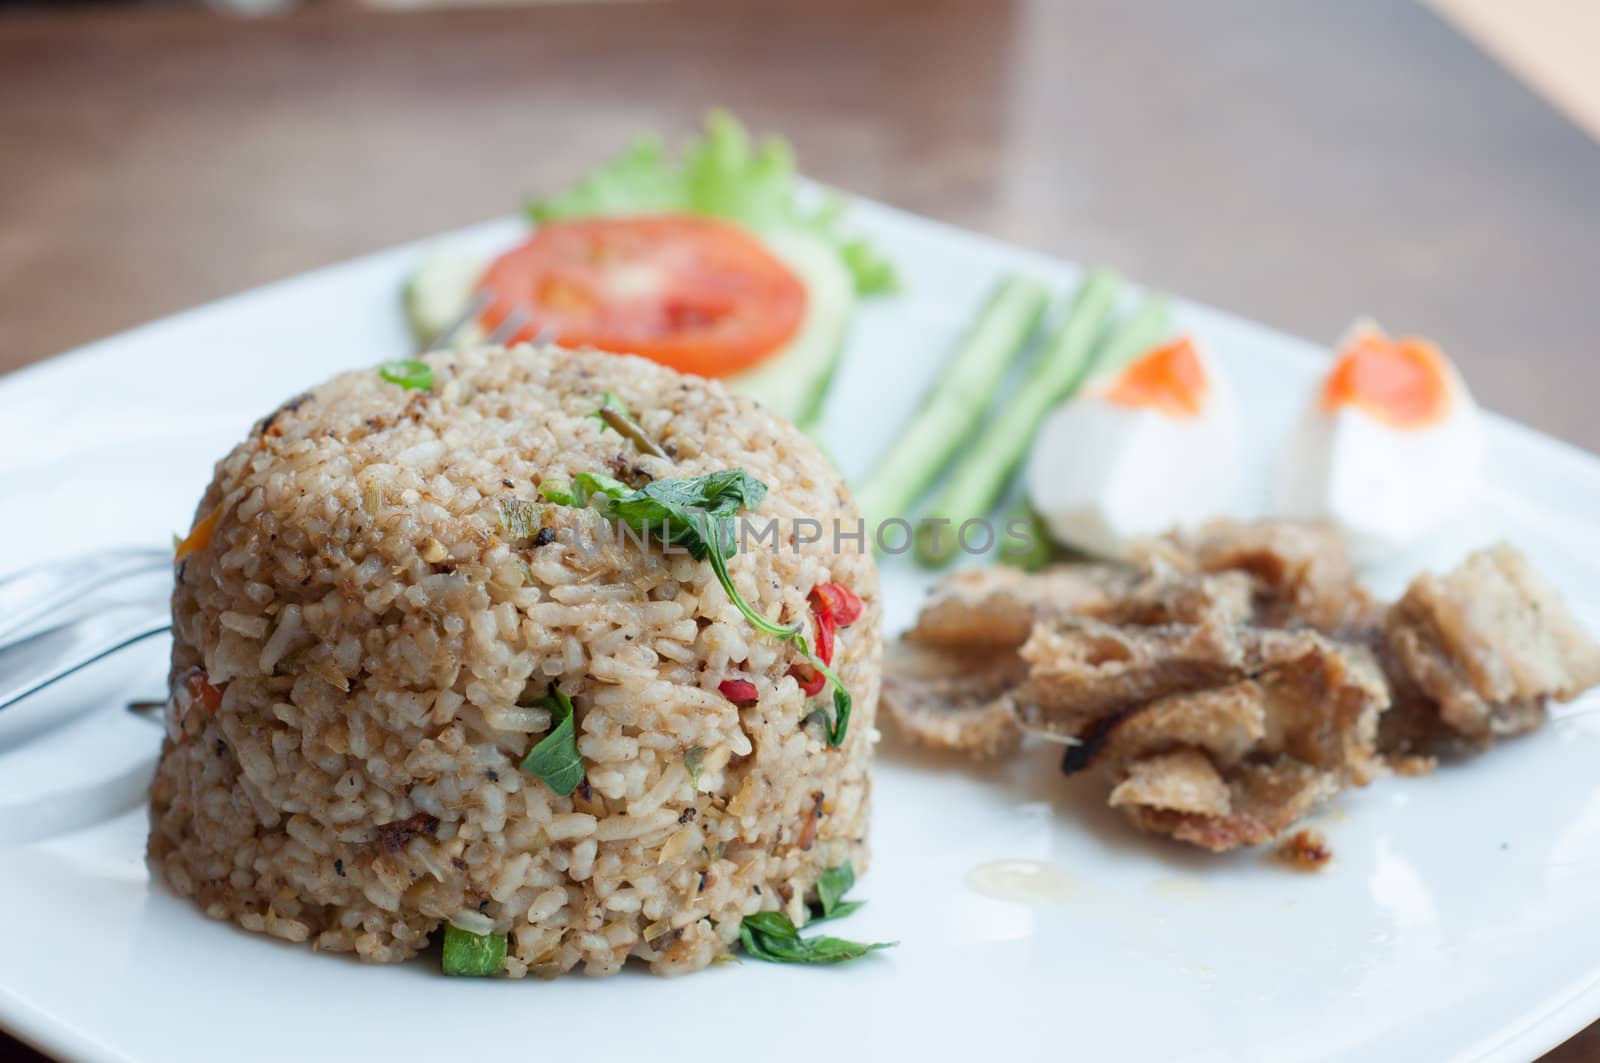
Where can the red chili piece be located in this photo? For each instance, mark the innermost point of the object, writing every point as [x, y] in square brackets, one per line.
[839, 600]
[810, 680]
[825, 631]
[202, 692]
[739, 691]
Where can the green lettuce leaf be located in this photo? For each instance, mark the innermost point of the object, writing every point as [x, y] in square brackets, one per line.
[725, 175]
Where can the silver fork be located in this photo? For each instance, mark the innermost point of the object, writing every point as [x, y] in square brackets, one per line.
[29, 662]
[32, 660]
[33, 594]
[509, 325]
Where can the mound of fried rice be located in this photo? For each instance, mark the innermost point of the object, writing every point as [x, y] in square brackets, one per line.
[379, 640]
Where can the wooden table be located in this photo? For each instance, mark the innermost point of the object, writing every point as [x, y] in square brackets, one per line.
[1296, 162]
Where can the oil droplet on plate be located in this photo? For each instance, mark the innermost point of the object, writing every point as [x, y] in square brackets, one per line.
[1181, 887]
[1022, 881]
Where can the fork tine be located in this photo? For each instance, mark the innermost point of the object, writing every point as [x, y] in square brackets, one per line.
[448, 335]
[28, 595]
[75, 644]
[545, 335]
[509, 326]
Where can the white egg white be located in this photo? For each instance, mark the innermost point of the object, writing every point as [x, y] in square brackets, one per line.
[1102, 474]
[1385, 488]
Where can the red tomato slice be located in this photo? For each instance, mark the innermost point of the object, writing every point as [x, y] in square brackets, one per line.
[697, 294]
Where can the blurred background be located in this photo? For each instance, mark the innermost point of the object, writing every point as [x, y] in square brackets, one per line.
[1294, 161]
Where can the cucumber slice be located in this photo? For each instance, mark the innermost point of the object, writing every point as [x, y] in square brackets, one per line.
[794, 381]
[439, 290]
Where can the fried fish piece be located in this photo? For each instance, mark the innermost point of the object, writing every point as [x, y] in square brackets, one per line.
[1302, 572]
[1320, 703]
[1080, 671]
[1225, 723]
[1182, 781]
[1322, 690]
[1163, 794]
[949, 681]
[1489, 645]
[997, 606]
[1310, 714]
[954, 701]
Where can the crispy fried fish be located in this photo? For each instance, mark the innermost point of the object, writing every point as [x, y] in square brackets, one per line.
[1230, 679]
[1489, 645]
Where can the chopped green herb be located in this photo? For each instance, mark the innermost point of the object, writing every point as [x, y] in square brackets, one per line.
[771, 936]
[554, 758]
[588, 484]
[581, 488]
[696, 513]
[693, 758]
[840, 910]
[408, 374]
[558, 491]
[1030, 549]
[473, 955]
[609, 401]
[519, 518]
[625, 425]
[832, 885]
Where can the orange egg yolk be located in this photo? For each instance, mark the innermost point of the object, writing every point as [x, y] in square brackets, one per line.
[1402, 382]
[1170, 378]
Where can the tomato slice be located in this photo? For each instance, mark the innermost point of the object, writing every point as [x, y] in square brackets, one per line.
[694, 293]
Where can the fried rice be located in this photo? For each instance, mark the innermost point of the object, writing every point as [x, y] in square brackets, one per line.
[361, 645]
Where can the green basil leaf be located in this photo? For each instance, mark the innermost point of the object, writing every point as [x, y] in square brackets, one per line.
[772, 936]
[844, 908]
[697, 513]
[832, 885]
[473, 955]
[774, 926]
[814, 950]
[694, 512]
[755, 944]
[554, 758]
[841, 714]
[829, 950]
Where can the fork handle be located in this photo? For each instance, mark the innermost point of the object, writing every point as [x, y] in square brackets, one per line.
[31, 594]
[33, 663]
